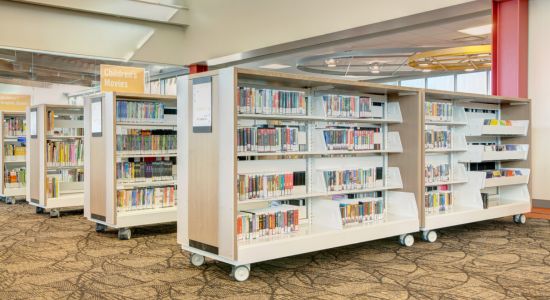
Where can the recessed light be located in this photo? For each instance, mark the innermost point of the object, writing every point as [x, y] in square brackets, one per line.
[423, 64]
[469, 69]
[375, 71]
[478, 30]
[275, 66]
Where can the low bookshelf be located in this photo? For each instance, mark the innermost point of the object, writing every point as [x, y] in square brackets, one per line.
[275, 165]
[56, 159]
[134, 138]
[13, 159]
[484, 144]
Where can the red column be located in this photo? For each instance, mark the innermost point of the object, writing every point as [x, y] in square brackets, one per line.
[193, 69]
[510, 41]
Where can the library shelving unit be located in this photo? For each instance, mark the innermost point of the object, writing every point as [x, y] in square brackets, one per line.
[55, 168]
[487, 158]
[133, 136]
[275, 165]
[13, 158]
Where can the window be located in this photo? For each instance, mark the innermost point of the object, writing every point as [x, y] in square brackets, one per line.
[472, 83]
[414, 83]
[445, 83]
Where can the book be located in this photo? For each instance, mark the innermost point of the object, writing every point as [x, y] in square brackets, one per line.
[271, 101]
[438, 111]
[146, 198]
[352, 138]
[343, 106]
[145, 170]
[438, 199]
[271, 139]
[137, 141]
[15, 177]
[55, 180]
[62, 130]
[14, 126]
[496, 122]
[271, 221]
[268, 185]
[140, 111]
[362, 208]
[353, 179]
[437, 138]
[64, 153]
[503, 173]
[11, 150]
[437, 173]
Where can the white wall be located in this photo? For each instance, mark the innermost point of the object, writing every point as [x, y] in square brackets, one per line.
[539, 92]
[54, 94]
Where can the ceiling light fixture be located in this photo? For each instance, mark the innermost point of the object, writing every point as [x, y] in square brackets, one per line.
[375, 68]
[426, 70]
[478, 30]
[331, 63]
[469, 69]
[275, 66]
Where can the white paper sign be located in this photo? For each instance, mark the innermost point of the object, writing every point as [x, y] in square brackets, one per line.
[202, 105]
[96, 117]
[33, 123]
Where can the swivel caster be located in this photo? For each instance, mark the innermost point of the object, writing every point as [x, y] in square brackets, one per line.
[124, 234]
[100, 227]
[10, 200]
[39, 210]
[429, 236]
[406, 240]
[240, 273]
[520, 219]
[55, 213]
[197, 260]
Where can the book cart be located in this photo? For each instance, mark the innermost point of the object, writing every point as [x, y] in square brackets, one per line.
[482, 142]
[55, 167]
[13, 158]
[130, 146]
[312, 164]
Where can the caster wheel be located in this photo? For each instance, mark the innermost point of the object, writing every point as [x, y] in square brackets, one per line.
[240, 273]
[100, 227]
[197, 260]
[124, 234]
[520, 219]
[406, 240]
[10, 200]
[54, 213]
[429, 236]
[39, 210]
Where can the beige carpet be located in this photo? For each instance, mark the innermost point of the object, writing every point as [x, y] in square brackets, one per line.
[43, 258]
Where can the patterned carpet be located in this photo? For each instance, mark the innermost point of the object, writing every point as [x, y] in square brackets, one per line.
[43, 258]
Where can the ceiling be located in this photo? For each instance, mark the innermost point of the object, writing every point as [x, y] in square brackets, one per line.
[389, 51]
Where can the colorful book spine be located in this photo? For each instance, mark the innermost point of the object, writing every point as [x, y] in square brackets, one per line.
[438, 200]
[14, 126]
[438, 111]
[271, 101]
[262, 186]
[258, 223]
[354, 179]
[140, 111]
[503, 173]
[362, 211]
[352, 138]
[437, 138]
[437, 173]
[146, 198]
[64, 153]
[348, 107]
[501, 147]
[15, 177]
[145, 170]
[137, 141]
[495, 122]
[274, 139]
[14, 150]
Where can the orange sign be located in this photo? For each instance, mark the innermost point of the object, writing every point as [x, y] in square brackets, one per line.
[122, 79]
[14, 102]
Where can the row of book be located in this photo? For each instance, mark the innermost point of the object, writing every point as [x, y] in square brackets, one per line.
[140, 111]
[362, 210]
[496, 122]
[352, 138]
[271, 139]
[261, 186]
[14, 150]
[353, 179]
[438, 111]
[272, 221]
[350, 107]
[14, 126]
[137, 141]
[501, 147]
[15, 175]
[438, 200]
[78, 132]
[437, 139]
[63, 176]
[143, 170]
[503, 173]
[146, 198]
[437, 173]
[64, 153]
[271, 101]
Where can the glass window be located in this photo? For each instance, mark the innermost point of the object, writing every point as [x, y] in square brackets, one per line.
[444, 83]
[472, 83]
[414, 83]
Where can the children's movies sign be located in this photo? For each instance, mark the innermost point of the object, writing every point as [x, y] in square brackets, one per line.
[122, 79]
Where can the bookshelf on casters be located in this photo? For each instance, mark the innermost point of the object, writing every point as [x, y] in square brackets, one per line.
[275, 165]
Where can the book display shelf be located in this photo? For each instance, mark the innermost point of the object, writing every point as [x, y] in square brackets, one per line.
[130, 147]
[13, 159]
[56, 159]
[477, 159]
[275, 165]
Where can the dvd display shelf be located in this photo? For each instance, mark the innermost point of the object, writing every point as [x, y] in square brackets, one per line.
[13, 158]
[55, 158]
[134, 136]
[494, 166]
[275, 165]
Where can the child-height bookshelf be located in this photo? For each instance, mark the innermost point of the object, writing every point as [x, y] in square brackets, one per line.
[56, 158]
[477, 161]
[274, 165]
[13, 158]
[134, 138]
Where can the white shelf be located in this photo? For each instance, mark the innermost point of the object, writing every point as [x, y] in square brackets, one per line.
[333, 152]
[144, 217]
[128, 155]
[15, 159]
[148, 126]
[64, 167]
[447, 123]
[445, 150]
[11, 192]
[68, 200]
[504, 181]
[450, 182]
[518, 128]
[316, 118]
[13, 137]
[64, 137]
[154, 183]
[476, 153]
